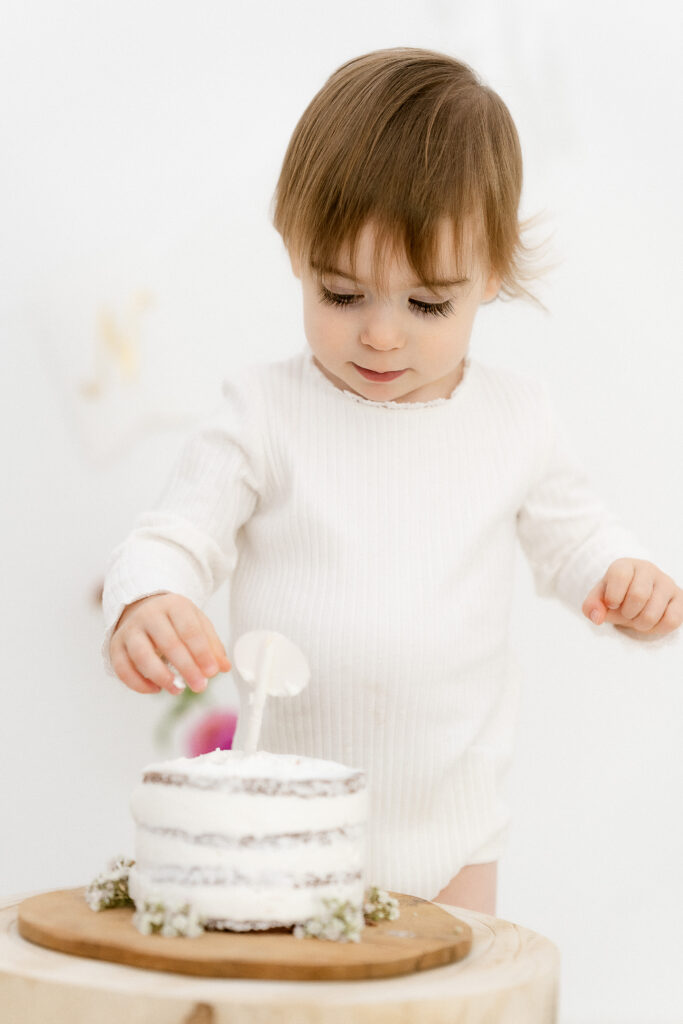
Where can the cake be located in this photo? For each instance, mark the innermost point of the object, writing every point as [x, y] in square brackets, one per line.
[249, 841]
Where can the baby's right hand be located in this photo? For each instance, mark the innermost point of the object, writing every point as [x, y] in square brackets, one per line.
[165, 626]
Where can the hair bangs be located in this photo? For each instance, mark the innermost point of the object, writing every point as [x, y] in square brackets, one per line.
[403, 139]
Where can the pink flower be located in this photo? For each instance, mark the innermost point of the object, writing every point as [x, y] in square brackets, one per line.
[214, 729]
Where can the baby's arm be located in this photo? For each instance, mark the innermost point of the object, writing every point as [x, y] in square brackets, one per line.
[581, 553]
[178, 554]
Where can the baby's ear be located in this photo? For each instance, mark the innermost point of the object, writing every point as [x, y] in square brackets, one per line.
[492, 288]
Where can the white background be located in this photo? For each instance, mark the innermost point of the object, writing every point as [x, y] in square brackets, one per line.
[141, 144]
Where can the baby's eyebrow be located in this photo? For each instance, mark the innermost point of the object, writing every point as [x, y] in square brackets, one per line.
[436, 283]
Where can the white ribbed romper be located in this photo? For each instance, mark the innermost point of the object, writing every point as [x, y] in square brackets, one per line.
[380, 537]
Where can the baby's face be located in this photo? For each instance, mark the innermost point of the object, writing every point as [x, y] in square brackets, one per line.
[407, 346]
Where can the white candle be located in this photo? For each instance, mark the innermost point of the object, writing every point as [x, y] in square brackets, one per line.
[258, 696]
[275, 667]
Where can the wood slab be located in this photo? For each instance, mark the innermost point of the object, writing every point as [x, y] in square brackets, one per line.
[510, 976]
[423, 936]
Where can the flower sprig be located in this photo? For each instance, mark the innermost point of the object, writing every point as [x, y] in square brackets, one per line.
[378, 905]
[156, 918]
[110, 888]
[341, 921]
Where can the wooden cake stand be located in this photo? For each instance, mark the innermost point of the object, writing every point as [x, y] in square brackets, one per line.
[490, 970]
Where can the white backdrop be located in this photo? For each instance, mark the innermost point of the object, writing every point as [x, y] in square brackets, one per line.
[141, 144]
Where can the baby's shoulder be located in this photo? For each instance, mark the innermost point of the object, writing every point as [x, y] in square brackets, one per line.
[513, 393]
[263, 380]
[506, 380]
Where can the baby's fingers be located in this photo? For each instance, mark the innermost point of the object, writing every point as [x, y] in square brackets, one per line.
[638, 595]
[653, 611]
[594, 606]
[128, 674]
[217, 648]
[145, 660]
[189, 624]
[174, 655]
[618, 579]
[673, 616]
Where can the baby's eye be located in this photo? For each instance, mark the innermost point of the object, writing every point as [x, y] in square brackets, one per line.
[334, 299]
[422, 308]
[432, 308]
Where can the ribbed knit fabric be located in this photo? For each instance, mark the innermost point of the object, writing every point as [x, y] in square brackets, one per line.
[380, 537]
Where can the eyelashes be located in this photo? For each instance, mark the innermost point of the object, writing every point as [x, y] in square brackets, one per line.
[421, 308]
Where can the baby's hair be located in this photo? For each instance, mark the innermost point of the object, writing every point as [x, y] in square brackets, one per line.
[404, 137]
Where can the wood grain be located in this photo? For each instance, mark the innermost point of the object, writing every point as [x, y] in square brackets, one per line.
[422, 937]
[510, 976]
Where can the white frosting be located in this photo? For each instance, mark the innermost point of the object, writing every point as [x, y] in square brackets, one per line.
[275, 906]
[249, 856]
[340, 853]
[261, 764]
[241, 814]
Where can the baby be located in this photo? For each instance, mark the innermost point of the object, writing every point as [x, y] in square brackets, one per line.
[364, 496]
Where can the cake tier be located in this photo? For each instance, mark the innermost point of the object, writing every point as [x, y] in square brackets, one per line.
[245, 907]
[249, 840]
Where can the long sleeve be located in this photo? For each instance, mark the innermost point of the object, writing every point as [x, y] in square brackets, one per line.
[188, 544]
[381, 539]
[567, 533]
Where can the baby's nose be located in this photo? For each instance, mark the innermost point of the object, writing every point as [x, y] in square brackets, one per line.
[381, 332]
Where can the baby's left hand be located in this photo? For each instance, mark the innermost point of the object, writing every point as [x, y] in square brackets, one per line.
[636, 595]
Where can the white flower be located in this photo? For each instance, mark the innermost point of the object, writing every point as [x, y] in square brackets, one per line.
[338, 922]
[156, 918]
[110, 889]
[379, 906]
